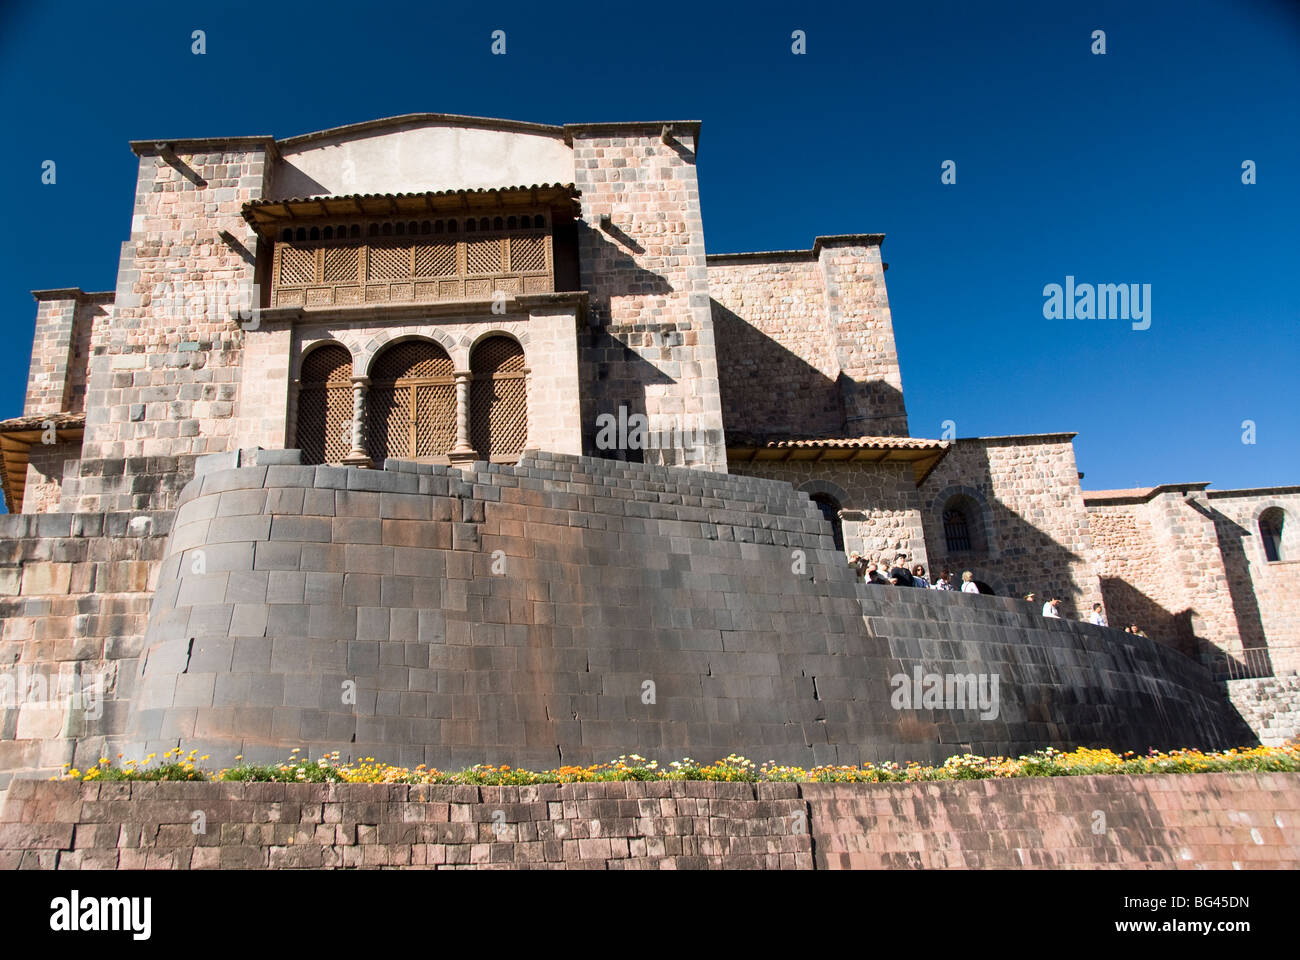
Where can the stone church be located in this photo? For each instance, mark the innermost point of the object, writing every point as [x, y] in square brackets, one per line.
[457, 297]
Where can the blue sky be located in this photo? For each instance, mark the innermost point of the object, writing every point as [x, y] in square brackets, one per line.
[1117, 168]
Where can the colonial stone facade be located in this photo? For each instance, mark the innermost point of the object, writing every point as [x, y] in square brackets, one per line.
[339, 372]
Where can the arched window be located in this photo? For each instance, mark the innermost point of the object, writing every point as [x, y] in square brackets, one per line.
[1270, 531]
[411, 403]
[325, 404]
[956, 530]
[498, 418]
[831, 511]
[963, 525]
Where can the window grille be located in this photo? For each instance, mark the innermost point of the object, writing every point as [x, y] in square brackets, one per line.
[411, 403]
[325, 404]
[498, 401]
[956, 531]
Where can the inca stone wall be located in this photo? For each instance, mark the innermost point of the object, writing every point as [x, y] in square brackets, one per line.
[651, 343]
[164, 375]
[881, 512]
[119, 485]
[568, 610]
[1271, 705]
[1201, 821]
[75, 592]
[1027, 515]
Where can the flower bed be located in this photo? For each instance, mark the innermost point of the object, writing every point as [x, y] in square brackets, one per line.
[1049, 762]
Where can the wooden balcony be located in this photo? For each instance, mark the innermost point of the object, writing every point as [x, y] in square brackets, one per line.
[419, 261]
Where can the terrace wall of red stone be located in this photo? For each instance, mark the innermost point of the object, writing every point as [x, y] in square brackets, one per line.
[75, 591]
[1188, 566]
[881, 506]
[566, 610]
[650, 346]
[1029, 529]
[1215, 821]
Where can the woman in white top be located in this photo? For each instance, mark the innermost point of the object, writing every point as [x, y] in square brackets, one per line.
[968, 583]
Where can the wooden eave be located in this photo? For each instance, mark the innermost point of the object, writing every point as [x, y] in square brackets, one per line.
[15, 447]
[267, 215]
[923, 460]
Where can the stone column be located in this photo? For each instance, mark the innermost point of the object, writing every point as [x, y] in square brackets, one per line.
[528, 408]
[462, 451]
[357, 456]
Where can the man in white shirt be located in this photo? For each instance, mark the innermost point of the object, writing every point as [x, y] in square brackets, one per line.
[1098, 617]
[1049, 609]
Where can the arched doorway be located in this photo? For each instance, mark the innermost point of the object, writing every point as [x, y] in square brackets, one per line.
[498, 417]
[831, 511]
[325, 404]
[412, 403]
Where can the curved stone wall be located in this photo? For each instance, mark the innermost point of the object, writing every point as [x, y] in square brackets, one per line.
[568, 610]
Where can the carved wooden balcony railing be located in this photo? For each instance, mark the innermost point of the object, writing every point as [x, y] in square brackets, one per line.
[470, 257]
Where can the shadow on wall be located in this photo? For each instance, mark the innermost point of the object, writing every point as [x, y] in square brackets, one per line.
[1233, 538]
[1007, 551]
[290, 181]
[1127, 605]
[769, 391]
[611, 373]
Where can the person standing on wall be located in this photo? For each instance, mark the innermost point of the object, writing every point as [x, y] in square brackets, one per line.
[899, 575]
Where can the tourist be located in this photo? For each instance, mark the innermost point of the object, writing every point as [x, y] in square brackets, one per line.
[918, 577]
[968, 583]
[899, 575]
[874, 575]
[1030, 597]
[944, 582]
[859, 565]
[1049, 608]
[1098, 617]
